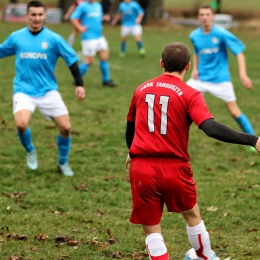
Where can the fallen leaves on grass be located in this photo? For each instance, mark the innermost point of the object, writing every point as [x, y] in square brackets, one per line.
[66, 240]
[41, 237]
[17, 237]
[212, 209]
[17, 195]
[82, 187]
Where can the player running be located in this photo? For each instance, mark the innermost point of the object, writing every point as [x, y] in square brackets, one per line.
[66, 16]
[132, 14]
[37, 50]
[93, 42]
[210, 65]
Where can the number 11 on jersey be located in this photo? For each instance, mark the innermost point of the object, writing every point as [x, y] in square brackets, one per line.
[163, 101]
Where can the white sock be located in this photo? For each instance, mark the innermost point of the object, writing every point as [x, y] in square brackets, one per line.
[155, 244]
[200, 241]
[71, 39]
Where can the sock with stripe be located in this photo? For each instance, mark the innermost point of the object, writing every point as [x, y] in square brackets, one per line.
[156, 247]
[26, 140]
[200, 241]
[63, 148]
[245, 124]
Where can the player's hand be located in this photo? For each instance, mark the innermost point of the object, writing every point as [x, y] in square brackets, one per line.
[106, 18]
[83, 28]
[66, 16]
[80, 93]
[194, 74]
[138, 20]
[246, 81]
[257, 146]
[129, 160]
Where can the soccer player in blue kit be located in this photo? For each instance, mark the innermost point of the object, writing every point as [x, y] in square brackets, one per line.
[37, 49]
[132, 15]
[210, 64]
[87, 18]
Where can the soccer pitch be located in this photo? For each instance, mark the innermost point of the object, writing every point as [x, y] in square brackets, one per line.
[40, 210]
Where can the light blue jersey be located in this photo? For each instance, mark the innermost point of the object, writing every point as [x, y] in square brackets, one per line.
[130, 11]
[90, 15]
[36, 57]
[212, 52]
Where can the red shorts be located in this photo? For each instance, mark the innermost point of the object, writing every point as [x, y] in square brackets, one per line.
[158, 181]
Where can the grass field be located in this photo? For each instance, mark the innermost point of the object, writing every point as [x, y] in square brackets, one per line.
[44, 215]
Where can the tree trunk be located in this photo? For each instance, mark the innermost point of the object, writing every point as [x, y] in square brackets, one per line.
[218, 11]
[65, 4]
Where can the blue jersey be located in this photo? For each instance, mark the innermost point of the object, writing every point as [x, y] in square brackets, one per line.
[36, 57]
[130, 11]
[212, 52]
[90, 15]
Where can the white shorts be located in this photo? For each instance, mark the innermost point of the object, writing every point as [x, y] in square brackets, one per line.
[224, 90]
[135, 30]
[91, 47]
[50, 105]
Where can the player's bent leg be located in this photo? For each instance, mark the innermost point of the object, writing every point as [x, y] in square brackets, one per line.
[122, 52]
[63, 143]
[241, 119]
[197, 233]
[22, 118]
[105, 69]
[154, 243]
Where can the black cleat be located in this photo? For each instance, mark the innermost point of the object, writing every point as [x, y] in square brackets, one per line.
[109, 83]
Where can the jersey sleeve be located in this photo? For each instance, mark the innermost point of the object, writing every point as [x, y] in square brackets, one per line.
[233, 43]
[132, 110]
[7, 48]
[66, 52]
[120, 8]
[198, 109]
[77, 13]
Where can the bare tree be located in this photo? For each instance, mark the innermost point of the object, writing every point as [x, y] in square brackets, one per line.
[65, 4]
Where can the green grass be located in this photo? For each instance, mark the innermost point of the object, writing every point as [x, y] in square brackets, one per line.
[227, 176]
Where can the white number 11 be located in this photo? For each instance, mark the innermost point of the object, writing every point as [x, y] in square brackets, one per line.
[163, 101]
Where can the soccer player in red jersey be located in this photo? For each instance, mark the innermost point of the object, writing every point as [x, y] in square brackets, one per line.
[158, 122]
[66, 16]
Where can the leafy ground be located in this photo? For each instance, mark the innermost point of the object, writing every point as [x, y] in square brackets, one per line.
[44, 215]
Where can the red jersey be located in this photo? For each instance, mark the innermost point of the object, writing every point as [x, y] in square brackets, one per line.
[163, 109]
[77, 2]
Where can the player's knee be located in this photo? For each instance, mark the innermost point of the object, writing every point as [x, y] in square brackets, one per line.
[21, 126]
[65, 130]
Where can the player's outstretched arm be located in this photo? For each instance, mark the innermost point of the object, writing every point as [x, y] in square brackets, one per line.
[116, 18]
[246, 81]
[226, 134]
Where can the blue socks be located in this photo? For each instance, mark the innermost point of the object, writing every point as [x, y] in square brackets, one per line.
[63, 148]
[83, 68]
[245, 124]
[123, 47]
[105, 70]
[26, 140]
[140, 45]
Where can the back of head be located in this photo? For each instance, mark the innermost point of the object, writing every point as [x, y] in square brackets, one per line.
[175, 57]
[34, 4]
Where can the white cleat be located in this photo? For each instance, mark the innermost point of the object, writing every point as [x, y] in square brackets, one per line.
[65, 169]
[31, 160]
